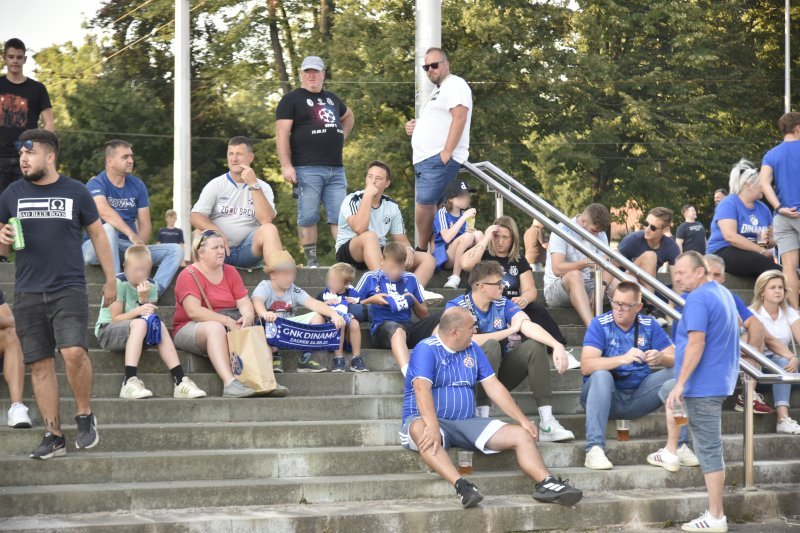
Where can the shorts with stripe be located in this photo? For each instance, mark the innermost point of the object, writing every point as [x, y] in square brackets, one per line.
[467, 434]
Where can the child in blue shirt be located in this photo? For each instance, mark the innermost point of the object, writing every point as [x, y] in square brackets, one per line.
[340, 295]
[454, 230]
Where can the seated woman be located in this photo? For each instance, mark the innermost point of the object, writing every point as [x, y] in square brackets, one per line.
[782, 322]
[741, 231]
[500, 243]
[210, 299]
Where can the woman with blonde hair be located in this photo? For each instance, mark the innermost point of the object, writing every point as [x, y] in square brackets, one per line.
[782, 322]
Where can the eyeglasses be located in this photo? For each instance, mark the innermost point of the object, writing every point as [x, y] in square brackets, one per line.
[434, 66]
[494, 284]
[622, 307]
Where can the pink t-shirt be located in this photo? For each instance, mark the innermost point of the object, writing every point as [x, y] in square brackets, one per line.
[221, 296]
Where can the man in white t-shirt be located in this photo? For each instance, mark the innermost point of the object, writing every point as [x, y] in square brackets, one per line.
[439, 139]
[366, 218]
[568, 276]
[241, 207]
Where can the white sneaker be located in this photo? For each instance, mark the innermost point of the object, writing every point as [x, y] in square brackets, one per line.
[452, 282]
[482, 411]
[553, 431]
[707, 523]
[664, 459]
[429, 296]
[596, 459]
[788, 426]
[134, 389]
[687, 457]
[572, 362]
[18, 416]
[187, 389]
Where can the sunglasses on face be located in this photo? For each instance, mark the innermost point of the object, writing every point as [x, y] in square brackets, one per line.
[434, 66]
[653, 227]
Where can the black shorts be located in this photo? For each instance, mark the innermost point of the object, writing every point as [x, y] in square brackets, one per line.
[51, 321]
[9, 172]
[416, 332]
[343, 256]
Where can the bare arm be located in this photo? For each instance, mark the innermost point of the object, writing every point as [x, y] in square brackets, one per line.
[103, 251]
[48, 118]
[451, 233]
[110, 215]
[530, 240]
[431, 437]
[6, 317]
[765, 177]
[679, 242]
[473, 256]
[527, 290]
[196, 312]
[457, 124]
[502, 398]
[264, 211]
[728, 228]
[360, 221]
[348, 121]
[144, 224]
[283, 130]
[561, 266]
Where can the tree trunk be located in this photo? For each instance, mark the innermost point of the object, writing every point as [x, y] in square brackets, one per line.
[289, 38]
[277, 49]
[326, 8]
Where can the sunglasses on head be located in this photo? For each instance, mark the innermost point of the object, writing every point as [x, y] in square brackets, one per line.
[206, 234]
[28, 144]
[434, 66]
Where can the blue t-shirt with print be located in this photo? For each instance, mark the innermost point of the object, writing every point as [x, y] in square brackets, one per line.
[634, 244]
[612, 341]
[785, 162]
[125, 200]
[496, 318]
[710, 308]
[748, 221]
[400, 291]
[452, 375]
[442, 221]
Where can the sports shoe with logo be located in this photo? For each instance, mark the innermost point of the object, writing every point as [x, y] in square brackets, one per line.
[596, 459]
[707, 523]
[277, 364]
[338, 365]
[468, 493]
[134, 389]
[687, 457]
[553, 431]
[51, 446]
[556, 490]
[760, 407]
[357, 365]
[788, 426]
[452, 282]
[307, 364]
[188, 389]
[18, 416]
[664, 459]
[432, 298]
[88, 437]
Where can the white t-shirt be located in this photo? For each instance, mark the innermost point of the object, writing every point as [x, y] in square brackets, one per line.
[384, 219]
[433, 124]
[229, 205]
[781, 327]
[571, 254]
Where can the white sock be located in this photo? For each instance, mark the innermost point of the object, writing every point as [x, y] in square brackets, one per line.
[546, 413]
[404, 369]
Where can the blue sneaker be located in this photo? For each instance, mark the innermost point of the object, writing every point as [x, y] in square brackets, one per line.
[338, 365]
[307, 364]
[357, 365]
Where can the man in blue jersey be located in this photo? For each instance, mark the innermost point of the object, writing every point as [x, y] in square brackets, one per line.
[706, 369]
[439, 407]
[620, 350]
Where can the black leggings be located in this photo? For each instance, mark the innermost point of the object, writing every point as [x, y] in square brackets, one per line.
[539, 314]
[745, 263]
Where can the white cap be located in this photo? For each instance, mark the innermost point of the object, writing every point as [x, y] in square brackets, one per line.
[312, 62]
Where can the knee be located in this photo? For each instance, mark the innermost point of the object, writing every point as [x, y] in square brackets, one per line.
[175, 251]
[573, 276]
[139, 326]
[647, 259]
[73, 354]
[43, 367]
[601, 378]
[425, 259]
[399, 335]
[369, 237]
[354, 324]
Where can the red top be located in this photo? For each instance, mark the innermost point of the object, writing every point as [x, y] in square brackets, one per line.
[221, 296]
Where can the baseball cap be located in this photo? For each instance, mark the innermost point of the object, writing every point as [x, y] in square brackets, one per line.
[457, 188]
[312, 62]
[280, 260]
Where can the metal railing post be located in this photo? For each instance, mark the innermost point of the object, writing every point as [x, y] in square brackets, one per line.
[748, 393]
[498, 205]
[599, 293]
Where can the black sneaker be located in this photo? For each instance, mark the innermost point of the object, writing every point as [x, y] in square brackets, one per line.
[468, 492]
[51, 446]
[87, 432]
[556, 490]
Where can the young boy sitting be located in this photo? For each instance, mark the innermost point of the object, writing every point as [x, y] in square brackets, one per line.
[170, 234]
[391, 294]
[340, 295]
[279, 297]
[123, 326]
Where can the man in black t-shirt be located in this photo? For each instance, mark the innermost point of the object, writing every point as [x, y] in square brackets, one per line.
[22, 102]
[691, 235]
[310, 129]
[50, 289]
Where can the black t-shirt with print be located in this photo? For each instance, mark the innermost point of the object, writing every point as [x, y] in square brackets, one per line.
[20, 107]
[53, 217]
[170, 236]
[513, 270]
[317, 136]
[693, 235]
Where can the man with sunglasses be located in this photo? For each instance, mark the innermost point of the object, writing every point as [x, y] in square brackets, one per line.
[439, 139]
[621, 349]
[50, 288]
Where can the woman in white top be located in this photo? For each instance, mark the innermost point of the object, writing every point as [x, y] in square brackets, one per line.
[782, 322]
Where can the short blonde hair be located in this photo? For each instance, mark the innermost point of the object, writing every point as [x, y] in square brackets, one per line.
[171, 213]
[761, 284]
[744, 173]
[346, 271]
[200, 239]
[138, 252]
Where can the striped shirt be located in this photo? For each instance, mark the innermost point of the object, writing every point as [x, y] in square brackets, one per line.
[383, 220]
[496, 318]
[452, 375]
[444, 220]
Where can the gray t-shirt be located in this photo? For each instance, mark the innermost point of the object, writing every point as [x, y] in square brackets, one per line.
[284, 305]
[384, 219]
[571, 254]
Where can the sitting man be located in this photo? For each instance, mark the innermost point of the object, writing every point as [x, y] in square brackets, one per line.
[124, 206]
[651, 247]
[366, 218]
[439, 407]
[241, 207]
[499, 322]
[620, 350]
[568, 278]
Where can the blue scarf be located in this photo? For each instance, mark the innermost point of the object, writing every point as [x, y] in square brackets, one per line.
[153, 330]
[291, 335]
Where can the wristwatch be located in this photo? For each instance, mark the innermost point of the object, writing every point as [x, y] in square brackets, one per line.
[256, 187]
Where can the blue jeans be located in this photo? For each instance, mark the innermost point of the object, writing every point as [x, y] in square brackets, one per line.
[782, 392]
[432, 176]
[603, 401]
[705, 421]
[318, 185]
[167, 257]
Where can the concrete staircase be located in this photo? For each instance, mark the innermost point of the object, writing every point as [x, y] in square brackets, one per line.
[327, 458]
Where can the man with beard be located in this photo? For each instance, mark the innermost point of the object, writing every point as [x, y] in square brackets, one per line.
[50, 288]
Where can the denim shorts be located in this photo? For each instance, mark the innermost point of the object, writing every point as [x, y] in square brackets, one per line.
[52, 321]
[319, 186]
[468, 434]
[242, 256]
[705, 423]
[432, 176]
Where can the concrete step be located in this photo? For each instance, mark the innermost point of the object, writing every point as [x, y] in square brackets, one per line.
[166, 465]
[142, 496]
[629, 510]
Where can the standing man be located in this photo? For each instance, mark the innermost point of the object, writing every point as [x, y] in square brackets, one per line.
[706, 368]
[691, 234]
[780, 169]
[241, 207]
[310, 130]
[50, 289]
[124, 206]
[439, 139]
[719, 195]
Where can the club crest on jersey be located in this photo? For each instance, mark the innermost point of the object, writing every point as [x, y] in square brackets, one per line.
[513, 270]
[498, 323]
[640, 342]
[330, 102]
[310, 102]
[469, 362]
[386, 220]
